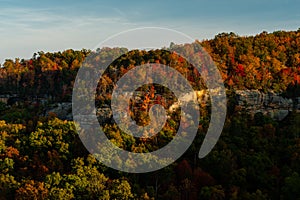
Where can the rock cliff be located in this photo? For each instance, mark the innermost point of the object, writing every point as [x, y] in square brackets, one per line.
[271, 104]
[253, 101]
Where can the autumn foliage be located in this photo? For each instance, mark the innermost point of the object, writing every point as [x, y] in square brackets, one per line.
[42, 157]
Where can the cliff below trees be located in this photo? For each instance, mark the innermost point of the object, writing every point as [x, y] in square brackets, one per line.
[252, 101]
[274, 105]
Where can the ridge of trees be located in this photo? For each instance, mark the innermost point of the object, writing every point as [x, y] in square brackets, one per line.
[267, 61]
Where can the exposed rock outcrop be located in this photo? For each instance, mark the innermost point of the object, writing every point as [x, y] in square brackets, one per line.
[61, 110]
[253, 101]
[271, 104]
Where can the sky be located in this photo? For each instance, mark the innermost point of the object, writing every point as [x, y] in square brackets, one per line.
[28, 26]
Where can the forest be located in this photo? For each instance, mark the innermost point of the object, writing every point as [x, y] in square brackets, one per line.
[256, 157]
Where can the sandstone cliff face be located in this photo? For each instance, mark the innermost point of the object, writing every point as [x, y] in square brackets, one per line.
[271, 104]
[61, 110]
[253, 101]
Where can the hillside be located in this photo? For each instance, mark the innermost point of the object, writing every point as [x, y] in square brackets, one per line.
[256, 157]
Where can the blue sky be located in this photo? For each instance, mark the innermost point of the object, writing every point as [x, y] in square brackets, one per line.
[28, 26]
